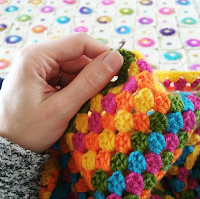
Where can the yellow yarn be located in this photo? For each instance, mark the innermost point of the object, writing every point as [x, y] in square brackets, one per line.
[191, 158]
[123, 121]
[195, 138]
[95, 103]
[68, 139]
[73, 188]
[159, 186]
[174, 76]
[144, 100]
[169, 197]
[138, 55]
[81, 123]
[50, 166]
[116, 90]
[107, 140]
[46, 195]
[158, 86]
[133, 69]
[88, 160]
[173, 170]
[45, 178]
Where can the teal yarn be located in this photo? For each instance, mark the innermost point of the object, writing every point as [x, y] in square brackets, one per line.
[183, 137]
[176, 185]
[166, 158]
[175, 122]
[188, 105]
[176, 103]
[181, 160]
[187, 194]
[197, 191]
[74, 178]
[136, 162]
[187, 150]
[169, 193]
[158, 122]
[195, 172]
[81, 196]
[63, 160]
[99, 181]
[156, 142]
[61, 192]
[118, 162]
[184, 94]
[98, 195]
[139, 141]
[149, 180]
[116, 183]
[56, 145]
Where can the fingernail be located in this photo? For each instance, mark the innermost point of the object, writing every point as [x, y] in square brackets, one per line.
[113, 61]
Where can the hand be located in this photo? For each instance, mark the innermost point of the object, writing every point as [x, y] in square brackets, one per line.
[33, 113]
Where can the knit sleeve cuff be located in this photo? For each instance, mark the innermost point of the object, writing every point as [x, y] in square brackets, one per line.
[20, 170]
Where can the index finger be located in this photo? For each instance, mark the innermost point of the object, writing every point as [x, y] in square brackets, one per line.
[72, 47]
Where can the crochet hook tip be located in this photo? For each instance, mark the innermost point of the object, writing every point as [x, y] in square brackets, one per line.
[121, 44]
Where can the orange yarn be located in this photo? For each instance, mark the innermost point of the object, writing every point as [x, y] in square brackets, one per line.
[145, 194]
[52, 184]
[171, 89]
[87, 174]
[188, 88]
[92, 141]
[176, 194]
[186, 185]
[123, 142]
[160, 174]
[108, 121]
[102, 160]
[141, 121]
[161, 102]
[191, 132]
[125, 101]
[72, 166]
[177, 153]
[78, 159]
[81, 186]
[63, 146]
[145, 80]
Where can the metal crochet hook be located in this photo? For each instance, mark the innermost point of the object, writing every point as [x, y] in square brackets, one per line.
[121, 44]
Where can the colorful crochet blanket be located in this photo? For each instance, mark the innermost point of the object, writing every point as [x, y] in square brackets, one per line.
[138, 138]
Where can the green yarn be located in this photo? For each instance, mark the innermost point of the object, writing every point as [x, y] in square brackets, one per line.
[198, 94]
[99, 180]
[118, 162]
[126, 11]
[85, 108]
[71, 125]
[197, 114]
[158, 122]
[131, 197]
[183, 137]
[188, 194]
[176, 103]
[167, 158]
[157, 192]
[149, 180]
[139, 142]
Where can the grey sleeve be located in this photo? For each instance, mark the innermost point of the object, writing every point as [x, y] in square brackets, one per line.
[20, 171]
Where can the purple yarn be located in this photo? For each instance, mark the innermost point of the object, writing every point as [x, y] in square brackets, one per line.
[145, 20]
[194, 67]
[189, 120]
[196, 101]
[130, 85]
[143, 65]
[167, 31]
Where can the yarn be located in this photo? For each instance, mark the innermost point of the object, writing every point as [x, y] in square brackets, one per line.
[153, 162]
[130, 85]
[143, 65]
[108, 103]
[81, 123]
[94, 122]
[149, 180]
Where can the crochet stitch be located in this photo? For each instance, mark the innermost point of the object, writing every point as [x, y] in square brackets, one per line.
[125, 138]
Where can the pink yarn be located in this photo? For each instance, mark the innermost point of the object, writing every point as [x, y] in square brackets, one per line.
[189, 120]
[108, 103]
[113, 196]
[197, 131]
[156, 197]
[130, 85]
[183, 173]
[154, 163]
[143, 65]
[180, 84]
[134, 183]
[167, 83]
[94, 122]
[195, 100]
[171, 141]
[78, 141]
[67, 175]
[195, 84]
[192, 183]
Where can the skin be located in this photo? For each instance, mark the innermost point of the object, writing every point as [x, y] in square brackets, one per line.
[34, 112]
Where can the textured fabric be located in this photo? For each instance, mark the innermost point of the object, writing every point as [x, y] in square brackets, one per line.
[20, 172]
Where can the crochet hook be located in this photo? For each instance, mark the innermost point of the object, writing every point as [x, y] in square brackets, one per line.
[121, 44]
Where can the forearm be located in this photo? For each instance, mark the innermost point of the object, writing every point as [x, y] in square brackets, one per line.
[20, 171]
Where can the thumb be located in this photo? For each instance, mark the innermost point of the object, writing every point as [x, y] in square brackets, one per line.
[93, 78]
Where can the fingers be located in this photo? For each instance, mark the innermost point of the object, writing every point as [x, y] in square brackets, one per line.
[89, 81]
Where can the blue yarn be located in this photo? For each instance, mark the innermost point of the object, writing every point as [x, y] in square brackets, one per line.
[63, 160]
[61, 192]
[126, 30]
[183, 3]
[175, 56]
[85, 10]
[136, 162]
[193, 21]
[81, 196]
[74, 178]
[56, 145]
[187, 150]
[63, 20]
[184, 94]
[11, 9]
[116, 183]
[175, 122]
[176, 185]
[181, 160]
[188, 105]
[169, 193]
[195, 172]
[197, 190]
[156, 142]
[150, 113]
[1, 82]
[98, 195]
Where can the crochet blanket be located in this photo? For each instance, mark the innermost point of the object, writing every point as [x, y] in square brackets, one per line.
[138, 138]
